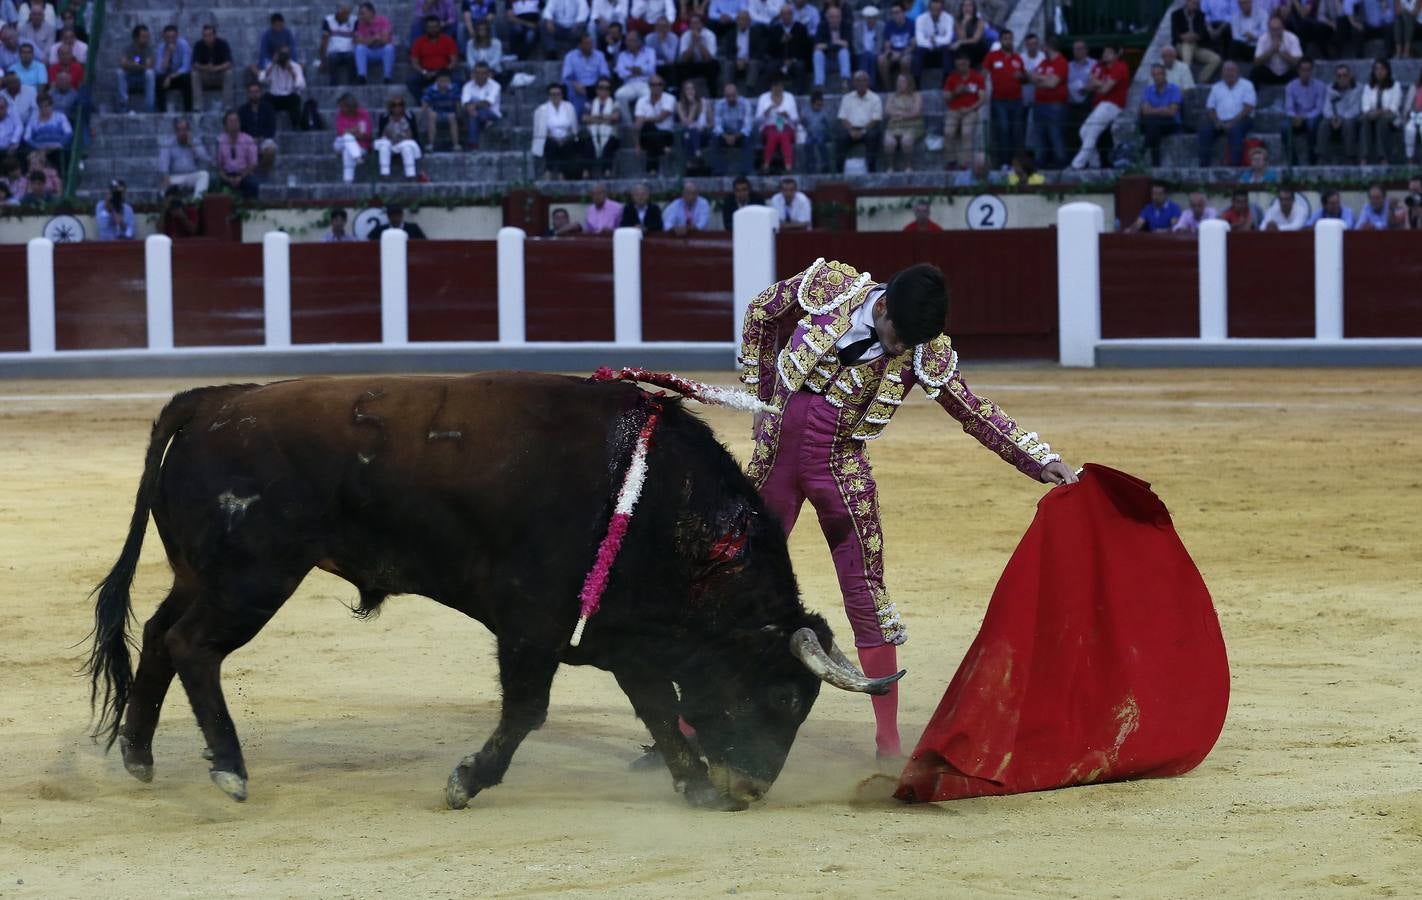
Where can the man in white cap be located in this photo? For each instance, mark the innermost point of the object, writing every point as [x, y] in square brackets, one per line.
[868, 41]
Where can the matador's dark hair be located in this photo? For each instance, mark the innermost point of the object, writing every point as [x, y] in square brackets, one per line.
[917, 303]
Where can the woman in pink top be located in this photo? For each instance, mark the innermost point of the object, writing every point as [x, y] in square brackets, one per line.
[353, 133]
[373, 38]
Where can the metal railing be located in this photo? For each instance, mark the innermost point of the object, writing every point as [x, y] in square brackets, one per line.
[1129, 22]
[78, 142]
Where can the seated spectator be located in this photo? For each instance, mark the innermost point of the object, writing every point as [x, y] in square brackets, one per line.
[645, 15]
[1229, 110]
[174, 69]
[603, 215]
[922, 217]
[640, 211]
[440, 106]
[897, 50]
[602, 124]
[374, 39]
[1176, 72]
[1382, 110]
[1277, 55]
[1259, 171]
[861, 121]
[136, 70]
[337, 50]
[13, 179]
[1304, 100]
[655, 123]
[20, 97]
[114, 215]
[36, 194]
[688, 213]
[395, 221]
[1108, 85]
[480, 99]
[184, 162]
[582, 67]
[933, 33]
[1160, 111]
[1412, 119]
[37, 30]
[9, 47]
[721, 16]
[1331, 207]
[431, 53]
[338, 233]
[746, 48]
[12, 131]
[521, 19]
[608, 14]
[446, 11]
[258, 119]
[1160, 215]
[236, 158]
[212, 68]
[696, 56]
[284, 81]
[180, 220]
[693, 115]
[558, 222]
[904, 111]
[276, 37]
[1198, 211]
[1247, 26]
[776, 116]
[354, 134]
[976, 175]
[635, 65]
[555, 134]
[739, 198]
[834, 38]
[48, 130]
[1342, 115]
[867, 42]
[731, 133]
[807, 14]
[1024, 171]
[484, 47]
[1375, 214]
[787, 48]
[611, 39]
[564, 23]
[32, 72]
[665, 46]
[1240, 214]
[1413, 201]
[964, 94]
[791, 205]
[1314, 21]
[1378, 17]
[68, 19]
[1401, 217]
[1405, 25]
[1284, 214]
[396, 133]
[815, 124]
[969, 34]
[66, 99]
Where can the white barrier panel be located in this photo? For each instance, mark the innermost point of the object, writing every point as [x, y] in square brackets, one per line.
[512, 320]
[276, 288]
[40, 260]
[1079, 282]
[627, 285]
[1328, 280]
[158, 279]
[752, 258]
[394, 287]
[1214, 280]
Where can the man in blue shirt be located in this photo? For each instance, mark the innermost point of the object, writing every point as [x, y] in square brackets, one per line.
[1160, 214]
[582, 67]
[31, 71]
[175, 66]
[732, 132]
[687, 213]
[1373, 214]
[273, 39]
[721, 19]
[1303, 104]
[1331, 207]
[439, 105]
[1160, 111]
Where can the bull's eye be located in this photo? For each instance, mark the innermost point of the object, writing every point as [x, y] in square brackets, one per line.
[785, 700]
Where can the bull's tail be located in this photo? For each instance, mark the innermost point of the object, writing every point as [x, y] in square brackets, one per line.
[109, 667]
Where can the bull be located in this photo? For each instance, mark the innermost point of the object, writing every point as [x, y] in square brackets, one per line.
[486, 493]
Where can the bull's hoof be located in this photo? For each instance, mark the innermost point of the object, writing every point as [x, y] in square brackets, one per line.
[207, 753]
[705, 796]
[650, 760]
[460, 788]
[138, 763]
[232, 784]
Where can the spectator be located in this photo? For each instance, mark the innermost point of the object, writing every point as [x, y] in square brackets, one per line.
[559, 221]
[1313, 22]
[180, 220]
[236, 158]
[12, 131]
[898, 47]
[338, 233]
[1304, 99]
[739, 198]
[788, 48]
[807, 14]
[976, 175]
[933, 33]
[114, 215]
[1400, 218]
[922, 219]
[688, 213]
[184, 162]
[485, 48]
[1194, 38]
[1240, 215]
[1413, 202]
[1198, 211]
[66, 98]
[603, 214]
[610, 43]
[1033, 55]
[354, 132]
[609, 14]
[868, 42]
[1284, 214]
[1160, 215]
[641, 212]
[777, 115]
[431, 53]
[69, 20]
[746, 47]
[964, 93]
[1276, 54]
[696, 56]
[721, 17]
[1342, 114]
[1176, 72]
[276, 37]
[861, 121]
[1005, 72]
[1160, 111]
[731, 134]
[396, 133]
[212, 68]
[834, 38]
[970, 34]
[444, 11]
[32, 72]
[582, 67]
[694, 119]
[37, 30]
[9, 47]
[522, 18]
[1049, 83]
[1331, 207]
[646, 15]
[791, 205]
[480, 99]
[602, 122]
[1079, 93]
[258, 119]
[1375, 213]
[36, 195]
[1382, 108]
[1412, 118]
[373, 40]
[635, 65]
[39, 162]
[1229, 109]
[763, 14]
[555, 134]
[1248, 25]
[48, 130]
[395, 221]
[284, 81]
[136, 69]
[1404, 25]
[655, 123]
[440, 106]
[1259, 171]
[174, 69]
[904, 110]
[1109, 83]
[19, 97]
[337, 51]
[1378, 17]
[564, 22]
[665, 47]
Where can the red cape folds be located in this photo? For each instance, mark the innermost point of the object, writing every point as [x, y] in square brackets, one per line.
[1100, 658]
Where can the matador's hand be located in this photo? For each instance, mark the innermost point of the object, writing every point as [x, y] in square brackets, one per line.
[1058, 472]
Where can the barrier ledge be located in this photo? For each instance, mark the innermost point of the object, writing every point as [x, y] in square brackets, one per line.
[1166, 353]
[337, 359]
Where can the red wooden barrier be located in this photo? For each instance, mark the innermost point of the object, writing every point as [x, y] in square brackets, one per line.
[686, 289]
[100, 300]
[14, 299]
[217, 294]
[1270, 284]
[1382, 272]
[335, 293]
[1150, 285]
[453, 290]
[568, 289]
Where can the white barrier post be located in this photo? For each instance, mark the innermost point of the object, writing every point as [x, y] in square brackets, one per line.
[512, 319]
[753, 231]
[1328, 280]
[158, 280]
[1214, 280]
[1079, 228]
[627, 285]
[394, 287]
[276, 288]
[40, 259]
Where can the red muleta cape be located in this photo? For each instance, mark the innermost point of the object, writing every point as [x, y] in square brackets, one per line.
[1100, 658]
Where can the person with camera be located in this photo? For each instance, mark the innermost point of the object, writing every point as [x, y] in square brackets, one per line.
[115, 216]
[284, 81]
[179, 219]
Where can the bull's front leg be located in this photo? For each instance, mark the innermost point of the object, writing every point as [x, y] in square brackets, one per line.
[526, 675]
[655, 702]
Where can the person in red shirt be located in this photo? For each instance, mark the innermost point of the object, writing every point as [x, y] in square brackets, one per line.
[922, 223]
[1005, 70]
[964, 92]
[1049, 106]
[1110, 80]
[66, 63]
[1240, 214]
[431, 53]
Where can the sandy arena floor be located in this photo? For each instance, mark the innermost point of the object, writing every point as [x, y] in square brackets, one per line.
[1298, 492]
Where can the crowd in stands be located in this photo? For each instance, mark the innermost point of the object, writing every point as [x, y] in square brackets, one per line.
[1286, 212]
[42, 57]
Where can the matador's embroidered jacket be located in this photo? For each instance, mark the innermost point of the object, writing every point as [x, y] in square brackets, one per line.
[823, 299]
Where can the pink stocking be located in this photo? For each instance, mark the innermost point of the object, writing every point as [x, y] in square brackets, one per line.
[879, 662]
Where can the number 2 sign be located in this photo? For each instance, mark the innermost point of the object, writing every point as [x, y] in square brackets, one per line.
[987, 212]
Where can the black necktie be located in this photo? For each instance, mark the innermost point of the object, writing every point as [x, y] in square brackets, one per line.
[849, 355]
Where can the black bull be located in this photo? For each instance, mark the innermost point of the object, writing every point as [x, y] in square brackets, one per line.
[488, 494]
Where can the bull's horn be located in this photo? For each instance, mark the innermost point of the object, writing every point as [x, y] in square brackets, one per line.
[834, 668]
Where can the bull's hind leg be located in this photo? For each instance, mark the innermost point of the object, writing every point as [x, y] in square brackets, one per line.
[526, 674]
[150, 685]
